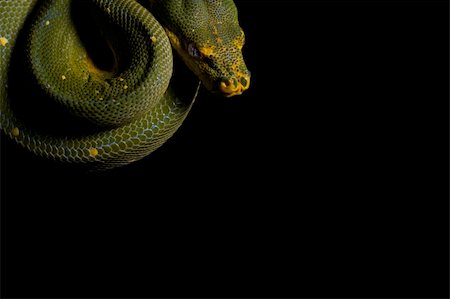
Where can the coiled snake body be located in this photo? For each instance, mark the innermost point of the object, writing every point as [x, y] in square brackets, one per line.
[132, 102]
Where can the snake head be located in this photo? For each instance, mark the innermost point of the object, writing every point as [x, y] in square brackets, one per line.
[207, 36]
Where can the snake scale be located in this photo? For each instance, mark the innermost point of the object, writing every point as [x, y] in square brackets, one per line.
[131, 101]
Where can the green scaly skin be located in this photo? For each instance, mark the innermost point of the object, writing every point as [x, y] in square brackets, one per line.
[133, 101]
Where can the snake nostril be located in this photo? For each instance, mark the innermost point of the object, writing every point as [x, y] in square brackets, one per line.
[226, 84]
[243, 81]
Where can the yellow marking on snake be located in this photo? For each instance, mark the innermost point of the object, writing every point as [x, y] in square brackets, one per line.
[207, 51]
[238, 44]
[153, 38]
[214, 30]
[47, 23]
[173, 39]
[15, 132]
[3, 41]
[239, 41]
[63, 77]
[93, 152]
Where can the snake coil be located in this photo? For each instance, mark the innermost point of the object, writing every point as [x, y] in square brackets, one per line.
[131, 102]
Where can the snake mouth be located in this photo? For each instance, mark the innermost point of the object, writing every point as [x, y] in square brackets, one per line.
[232, 87]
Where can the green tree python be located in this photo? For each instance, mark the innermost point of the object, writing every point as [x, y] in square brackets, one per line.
[131, 101]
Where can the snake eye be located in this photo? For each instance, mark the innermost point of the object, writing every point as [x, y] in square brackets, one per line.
[193, 51]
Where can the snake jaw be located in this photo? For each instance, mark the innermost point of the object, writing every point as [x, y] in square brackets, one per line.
[233, 87]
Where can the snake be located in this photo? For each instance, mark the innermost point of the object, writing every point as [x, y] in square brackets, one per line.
[107, 67]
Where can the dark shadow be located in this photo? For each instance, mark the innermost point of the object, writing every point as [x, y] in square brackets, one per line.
[104, 41]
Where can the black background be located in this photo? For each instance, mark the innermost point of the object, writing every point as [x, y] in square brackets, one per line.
[327, 178]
